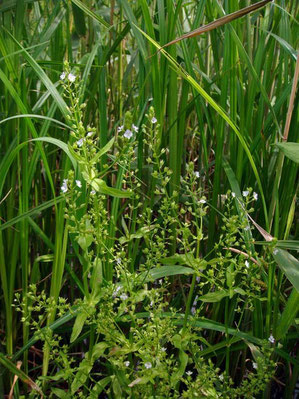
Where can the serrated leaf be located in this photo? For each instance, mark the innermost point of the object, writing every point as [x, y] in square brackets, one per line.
[78, 325]
[103, 150]
[185, 259]
[290, 150]
[214, 296]
[165, 271]
[81, 375]
[97, 276]
[101, 187]
[60, 393]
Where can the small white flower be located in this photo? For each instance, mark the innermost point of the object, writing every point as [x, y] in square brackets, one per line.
[64, 186]
[163, 349]
[197, 174]
[154, 120]
[160, 281]
[221, 377]
[71, 77]
[128, 134]
[233, 194]
[135, 128]
[89, 134]
[255, 196]
[247, 228]
[80, 143]
[247, 264]
[198, 279]
[193, 310]
[245, 193]
[123, 297]
[127, 363]
[120, 128]
[202, 201]
[118, 261]
[78, 183]
[151, 304]
[254, 365]
[275, 252]
[271, 339]
[148, 365]
[62, 76]
[92, 192]
[189, 372]
[150, 99]
[116, 291]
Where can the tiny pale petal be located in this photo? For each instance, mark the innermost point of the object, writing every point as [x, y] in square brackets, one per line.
[78, 183]
[123, 297]
[128, 134]
[245, 193]
[271, 339]
[135, 128]
[154, 120]
[233, 194]
[255, 196]
[80, 143]
[247, 264]
[197, 174]
[62, 76]
[120, 128]
[254, 365]
[71, 77]
[148, 365]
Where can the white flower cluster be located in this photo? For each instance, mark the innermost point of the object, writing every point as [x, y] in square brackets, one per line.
[71, 77]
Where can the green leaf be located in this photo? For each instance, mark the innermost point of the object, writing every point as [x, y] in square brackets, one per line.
[289, 265]
[78, 325]
[90, 13]
[82, 374]
[96, 277]
[186, 259]
[98, 388]
[103, 150]
[59, 144]
[101, 187]
[214, 296]
[85, 241]
[164, 271]
[183, 357]
[19, 373]
[288, 315]
[60, 393]
[290, 150]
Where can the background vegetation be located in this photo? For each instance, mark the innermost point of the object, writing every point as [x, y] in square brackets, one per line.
[222, 101]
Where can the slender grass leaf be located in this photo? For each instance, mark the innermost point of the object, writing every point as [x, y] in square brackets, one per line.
[90, 13]
[288, 315]
[19, 373]
[220, 22]
[289, 265]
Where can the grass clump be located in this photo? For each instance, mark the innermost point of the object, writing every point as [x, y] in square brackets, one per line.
[148, 235]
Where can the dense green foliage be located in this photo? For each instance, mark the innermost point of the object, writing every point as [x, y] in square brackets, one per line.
[148, 200]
